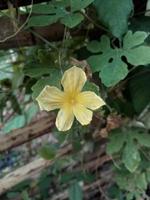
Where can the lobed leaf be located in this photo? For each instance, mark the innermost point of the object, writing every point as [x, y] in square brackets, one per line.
[112, 73]
[141, 181]
[138, 56]
[131, 156]
[143, 139]
[131, 39]
[109, 63]
[75, 192]
[72, 20]
[117, 140]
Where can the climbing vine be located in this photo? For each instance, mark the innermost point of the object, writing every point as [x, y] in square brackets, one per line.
[107, 41]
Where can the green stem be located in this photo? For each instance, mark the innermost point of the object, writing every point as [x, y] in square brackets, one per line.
[43, 39]
[93, 22]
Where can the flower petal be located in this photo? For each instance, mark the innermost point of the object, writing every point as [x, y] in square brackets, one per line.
[50, 98]
[73, 79]
[90, 100]
[82, 114]
[64, 119]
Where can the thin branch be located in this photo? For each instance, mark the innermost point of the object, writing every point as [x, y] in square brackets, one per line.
[21, 27]
[43, 39]
[94, 22]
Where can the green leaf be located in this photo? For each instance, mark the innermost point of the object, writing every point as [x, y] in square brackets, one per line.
[129, 143]
[106, 53]
[94, 46]
[53, 12]
[134, 39]
[114, 14]
[116, 141]
[35, 70]
[138, 56]
[130, 196]
[75, 192]
[39, 86]
[31, 112]
[5, 70]
[96, 63]
[22, 185]
[131, 157]
[122, 179]
[17, 78]
[76, 145]
[79, 4]
[141, 181]
[143, 139]
[133, 183]
[12, 195]
[148, 174]
[72, 20]
[17, 122]
[47, 152]
[42, 20]
[109, 61]
[67, 177]
[44, 183]
[62, 4]
[25, 195]
[44, 9]
[112, 73]
[114, 192]
[139, 89]
[89, 86]
[54, 80]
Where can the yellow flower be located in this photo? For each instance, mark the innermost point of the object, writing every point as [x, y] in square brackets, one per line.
[71, 102]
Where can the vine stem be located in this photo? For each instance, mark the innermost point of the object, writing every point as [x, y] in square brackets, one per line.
[43, 39]
[93, 22]
[61, 50]
[21, 27]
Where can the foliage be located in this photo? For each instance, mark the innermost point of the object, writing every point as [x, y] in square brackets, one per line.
[109, 61]
[75, 192]
[57, 11]
[110, 41]
[117, 17]
[129, 142]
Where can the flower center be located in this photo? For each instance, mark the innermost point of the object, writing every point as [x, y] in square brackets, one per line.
[71, 99]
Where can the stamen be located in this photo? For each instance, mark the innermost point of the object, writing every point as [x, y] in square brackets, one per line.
[73, 101]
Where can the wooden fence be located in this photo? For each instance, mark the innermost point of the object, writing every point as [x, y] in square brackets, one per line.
[34, 168]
